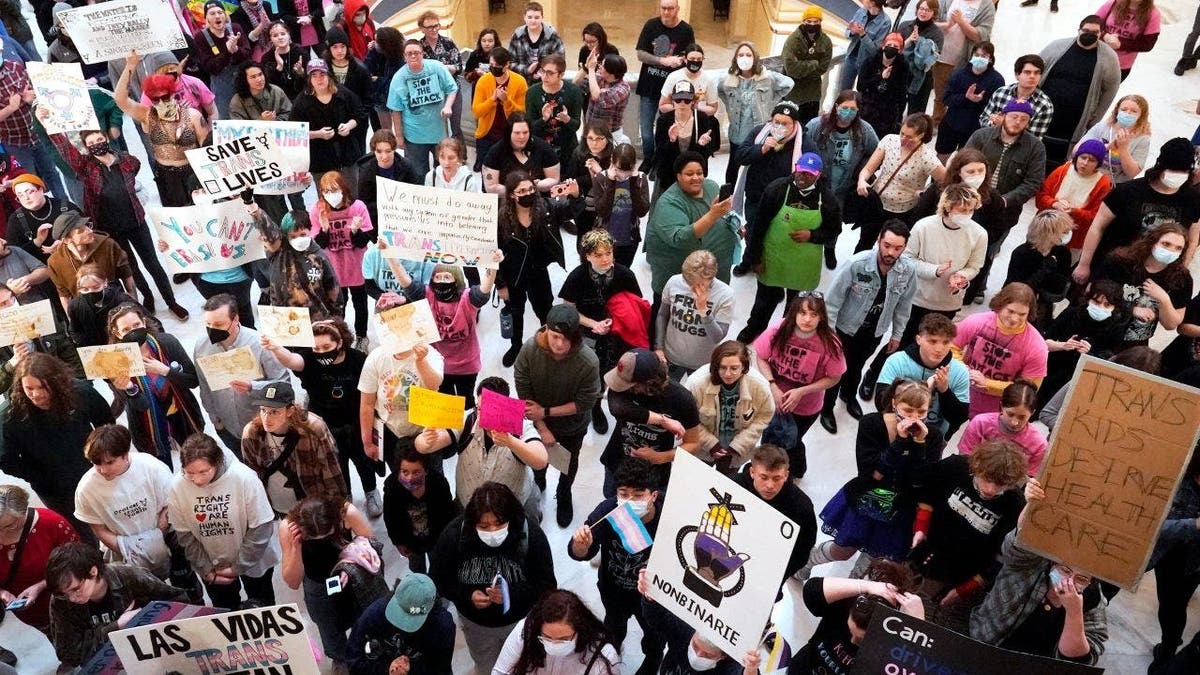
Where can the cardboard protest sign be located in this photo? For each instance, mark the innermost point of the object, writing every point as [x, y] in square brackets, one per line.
[62, 97]
[498, 412]
[1121, 443]
[287, 326]
[719, 557]
[428, 408]
[437, 225]
[904, 645]
[261, 640]
[244, 163]
[111, 30]
[106, 662]
[224, 367]
[26, 322]
[208, 237]
[291, 140]
[108, 362]
[402, 327]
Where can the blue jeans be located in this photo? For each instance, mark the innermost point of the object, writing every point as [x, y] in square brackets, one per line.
[849, 74]
[417, 156]
[646, 113]
[39, 160]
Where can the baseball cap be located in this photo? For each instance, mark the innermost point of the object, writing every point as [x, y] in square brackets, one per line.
[275, 395]
[634, 366]
[411, 603]
[316, 65]
[683, 91]
[809, 162]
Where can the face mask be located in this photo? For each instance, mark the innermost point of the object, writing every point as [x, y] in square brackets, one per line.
[334, 199]
[137, 335]
[745, 62]
[960, 219]
[1098, 313]
[694, 66]
[1088, 39]
[444, 291]
[980, 63]
[1164, 256]
[300, 244]
[416, 484]
[553, 648]
[698, 662]
[890, 52]
[493, 539]
[847, 114]
[1126, 119]
[360, 19]
[639, 508]
[99, 148]
[326, 359]
[496, 71]
[1174, 179]
[527, 201]
[1066, 238]
[974, 181]
[810, 30]
[166, 109]
[217, 335]
[779, 131]
[92, 297]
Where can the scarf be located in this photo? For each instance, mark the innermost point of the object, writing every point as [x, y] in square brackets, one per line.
[739, 190]
[166, 400]
[1075, 189]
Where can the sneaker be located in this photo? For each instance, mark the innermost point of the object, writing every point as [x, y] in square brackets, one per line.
[374, 504]
[829, 422]
[866, 389]
[180, 278]
[1029, 3]
[1184, 65]
[510, 356]
[363, 344]
[1054, 6]
[565, 510]
[179, 312]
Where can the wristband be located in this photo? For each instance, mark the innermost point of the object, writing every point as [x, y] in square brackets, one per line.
[921, 524]
[545, 411]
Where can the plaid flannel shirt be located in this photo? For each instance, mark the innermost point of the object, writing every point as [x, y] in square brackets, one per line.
[1043, 108]
[315, 460]
[17, 128]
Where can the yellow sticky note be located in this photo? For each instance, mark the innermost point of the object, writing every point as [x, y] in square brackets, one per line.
[428, 408]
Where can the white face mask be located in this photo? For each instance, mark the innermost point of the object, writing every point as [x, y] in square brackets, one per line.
[334, 199]
[639, 508]
[1066, 238]
[745, 62]
[960, 219]
[493, 539]
[698, 662]
[973, 181]
[301, 244]
[1164, 256]
[557, 648]
[1174, 179]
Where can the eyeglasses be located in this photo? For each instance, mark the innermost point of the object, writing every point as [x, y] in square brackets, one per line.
[550, 72]
[435, 26]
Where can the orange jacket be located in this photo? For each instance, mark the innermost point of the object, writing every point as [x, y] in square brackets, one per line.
[1084, 215]
[484, 103]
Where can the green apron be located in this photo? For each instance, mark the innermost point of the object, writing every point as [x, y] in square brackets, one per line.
[786, 263]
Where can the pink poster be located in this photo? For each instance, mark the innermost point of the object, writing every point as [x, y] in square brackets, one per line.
[501, 413]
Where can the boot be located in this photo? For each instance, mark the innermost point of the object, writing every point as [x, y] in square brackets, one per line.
[822, 553]
[830, 257]
[510, 356]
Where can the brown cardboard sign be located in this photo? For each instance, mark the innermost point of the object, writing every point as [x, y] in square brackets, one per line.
[1115, 459]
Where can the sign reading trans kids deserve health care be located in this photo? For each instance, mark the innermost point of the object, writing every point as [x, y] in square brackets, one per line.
[262, 640]
[243, 163]
[436, 225]
[291, 140]
[1121, 443]
[718, 556]
[208, 237]
[111, 30]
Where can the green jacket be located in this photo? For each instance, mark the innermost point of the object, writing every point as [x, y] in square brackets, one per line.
[550, 382]
[805, 68]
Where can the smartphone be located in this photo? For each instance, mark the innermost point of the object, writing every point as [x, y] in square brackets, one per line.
[333, 585]
[726, 192]
[247, 196]
[19, 603]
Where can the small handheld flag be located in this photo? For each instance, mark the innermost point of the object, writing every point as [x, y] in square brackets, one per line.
[629, 528]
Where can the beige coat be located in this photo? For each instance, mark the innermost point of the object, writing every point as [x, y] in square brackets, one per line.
[754, 410]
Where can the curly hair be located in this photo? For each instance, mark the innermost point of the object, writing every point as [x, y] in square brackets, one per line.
[121, 310]
[559, 606]
[55, 376]
[999, 461]
[336, 329]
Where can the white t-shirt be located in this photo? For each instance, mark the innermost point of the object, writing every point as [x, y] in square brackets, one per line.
[128, 504]
[220, 513]
[705, 85]
[389, 379]
[571, 664]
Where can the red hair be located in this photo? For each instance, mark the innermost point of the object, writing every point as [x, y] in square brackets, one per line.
[157, 86]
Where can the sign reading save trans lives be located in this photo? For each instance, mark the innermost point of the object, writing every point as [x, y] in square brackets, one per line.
[719, 556]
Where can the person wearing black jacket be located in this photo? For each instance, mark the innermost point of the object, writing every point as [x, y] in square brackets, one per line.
[489, 557]
[329, 109]
[417, 505]
[883, 82]
[297, 20]
[787, 210]
[57, 344]
[767, 477]
[1043, 262]
[767, 154]
[29, 227]
[383, 161]
[350, 73]
[390, 633]
[1095, 325]
[701, 132]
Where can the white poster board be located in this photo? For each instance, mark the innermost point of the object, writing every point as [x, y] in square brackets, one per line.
[111, 30]
[287, 326]
[719, 556]
[243, 163]
[224, 367]
[402, 327]
[437, 225]
[62, 97]
[207, 237]
[291, 139]
[26, 322]
[264, 639]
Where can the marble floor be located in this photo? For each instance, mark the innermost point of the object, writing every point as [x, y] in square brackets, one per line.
[1132, 626]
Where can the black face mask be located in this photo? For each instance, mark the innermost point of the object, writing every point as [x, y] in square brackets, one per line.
[496, 71]
[326, 359]
[217, 335]
[694, 66]
[137, 335]
[527, 200]
[93, 297]
[444, 291]
[810, 30]
[98, 149]
[890, 52]
[1088, 39]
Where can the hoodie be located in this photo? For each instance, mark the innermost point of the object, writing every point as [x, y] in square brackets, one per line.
[948, 409]
[550, 382]
[360, 37]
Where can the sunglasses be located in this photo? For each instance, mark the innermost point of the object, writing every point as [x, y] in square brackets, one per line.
[815, 295]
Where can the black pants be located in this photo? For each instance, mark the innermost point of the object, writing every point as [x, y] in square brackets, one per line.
[460, 385]
[652, 329]
[359, 295]
[239, 290]
[229, 596]
[909, 337]
[573, 444]
[175, 184]
[624, 254]
[856, 349]
[797, 456]
[766, 301]
[1175, 587]
[808, 110]
[348, 440]
[995, 239]
[868, 232]
[619, 607]
[731, 169]
[535, 288]
[1189, 43]
[138, 240]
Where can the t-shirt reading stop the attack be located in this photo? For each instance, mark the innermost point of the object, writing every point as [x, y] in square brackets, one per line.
[801, 361]
[999, 355]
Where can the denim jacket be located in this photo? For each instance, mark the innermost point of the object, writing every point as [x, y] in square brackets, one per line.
[854, 287]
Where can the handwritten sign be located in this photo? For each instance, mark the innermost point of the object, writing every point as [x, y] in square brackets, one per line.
[899, 643]
[720, 556]
[224, 367]
[287, 326]
[244, 163]
[111, 30]
[26, 322]
[428, 408]
[402, 327]
[1115, 459]
[208, 237]
[291, 140]
[108, 362]
[264, 639]
[498, 412]
[62, 97]
[437, 225]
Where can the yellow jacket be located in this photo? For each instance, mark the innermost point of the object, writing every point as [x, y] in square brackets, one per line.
[484, 103]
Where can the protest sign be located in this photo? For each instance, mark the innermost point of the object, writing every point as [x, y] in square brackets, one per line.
[243, 163]
[1121, 442]
[498, 412]
[108, 362]
[437, 225]
[26, 322]
[224, 367]
[291, 140]
[62, 97]
[261, 640]
[208, 237]
[402, 327]
[287, 326]
[428, 408]
[899, 644]
[111, 30]
[106, 662]
[719, 557]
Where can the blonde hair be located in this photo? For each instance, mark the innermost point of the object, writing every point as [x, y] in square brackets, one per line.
[955, 195]
[699, 265]
[1142, 126]
[913, 393]
[1047, 228]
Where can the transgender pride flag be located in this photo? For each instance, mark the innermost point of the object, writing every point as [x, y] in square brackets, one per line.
[634, 536]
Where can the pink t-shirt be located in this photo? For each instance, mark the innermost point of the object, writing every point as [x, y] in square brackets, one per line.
[459, 345]
[986, 427]
[999, 356]
[1127, 28]
[800, 362]
[190, 91]
[345, 256]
